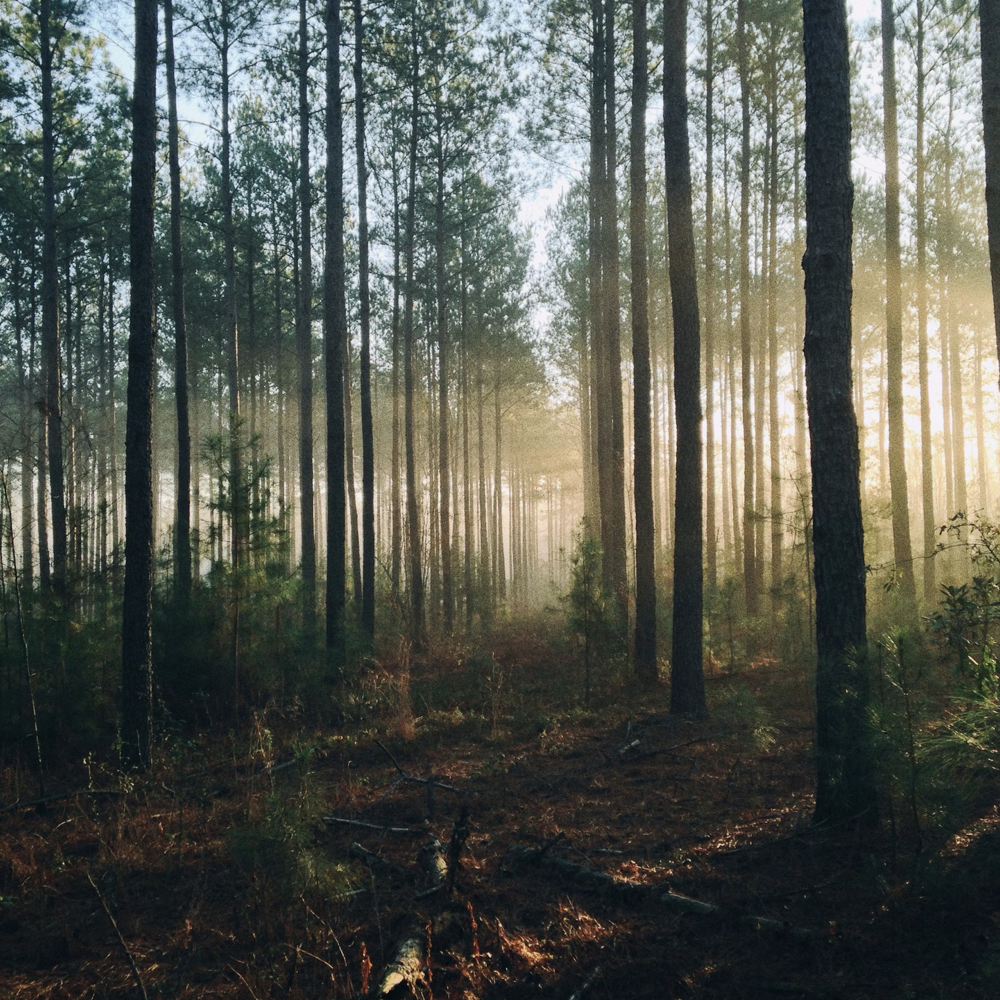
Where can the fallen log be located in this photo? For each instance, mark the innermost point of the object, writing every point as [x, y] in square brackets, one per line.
[408, 962]
[594, 879]
[34, 803]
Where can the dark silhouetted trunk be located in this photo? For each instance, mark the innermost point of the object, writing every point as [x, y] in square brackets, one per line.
[367, 438]
[137, 665]
[749, 512]
[303, 344]
[334, 339]
[416, 579]
[645, 540]
[845, 785]
[894, 319]
[50, 309]
[687, 684]
[182, 528]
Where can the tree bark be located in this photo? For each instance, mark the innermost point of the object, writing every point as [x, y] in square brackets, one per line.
[334, 330]
[989, 36]
[926, 440]
[645, 540]
[894, 320]
[416, 579]
[137, 666]
[303, 346]
[182, 529]
[845, 782]
[50, 309]
[367, 433]
[687, 684]
[749, 512]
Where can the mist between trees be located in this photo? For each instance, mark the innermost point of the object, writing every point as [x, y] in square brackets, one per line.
[355, 237]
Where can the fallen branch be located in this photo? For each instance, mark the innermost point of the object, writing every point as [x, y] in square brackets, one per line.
[121, 940]
[596, 880]
[373, 861]
[32, 803]
[371, 826]
[431, 781]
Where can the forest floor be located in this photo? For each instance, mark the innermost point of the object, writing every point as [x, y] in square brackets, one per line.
[226, 874]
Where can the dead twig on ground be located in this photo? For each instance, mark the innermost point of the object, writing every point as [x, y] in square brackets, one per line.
[121, 940]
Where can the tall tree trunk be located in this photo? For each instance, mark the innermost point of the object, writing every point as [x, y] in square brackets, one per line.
[595, 281]
[845, 784]
[774, 428]
[926, 441]
[613, 528]
[989, 37]
[303, 346]
[395, 500]
[50, 308]
[687, 683]
[711, 542]
[749, 512]
[367, 433]
[182, 529]
[894, 319]
[137, 664]
[416, 579]
[444, 462]
[645, 539]
[334, 330]
[352, 501]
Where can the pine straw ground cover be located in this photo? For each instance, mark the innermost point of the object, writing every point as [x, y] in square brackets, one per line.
[224, 879]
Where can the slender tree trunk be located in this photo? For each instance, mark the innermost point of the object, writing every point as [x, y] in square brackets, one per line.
[749, 512]
[334, 329]
[774, 428]
[711, 541]
[352, 501]
[303, 345]
[416, 579]
[926, 445]
[845, 784]
[645, 539]
[444, 462]
[137, 665]
[894, 319]
[613, 529]
[395, 497]
[367, 433]
[50, 309]
[989, 36]
[687, 685]
[182, 530]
